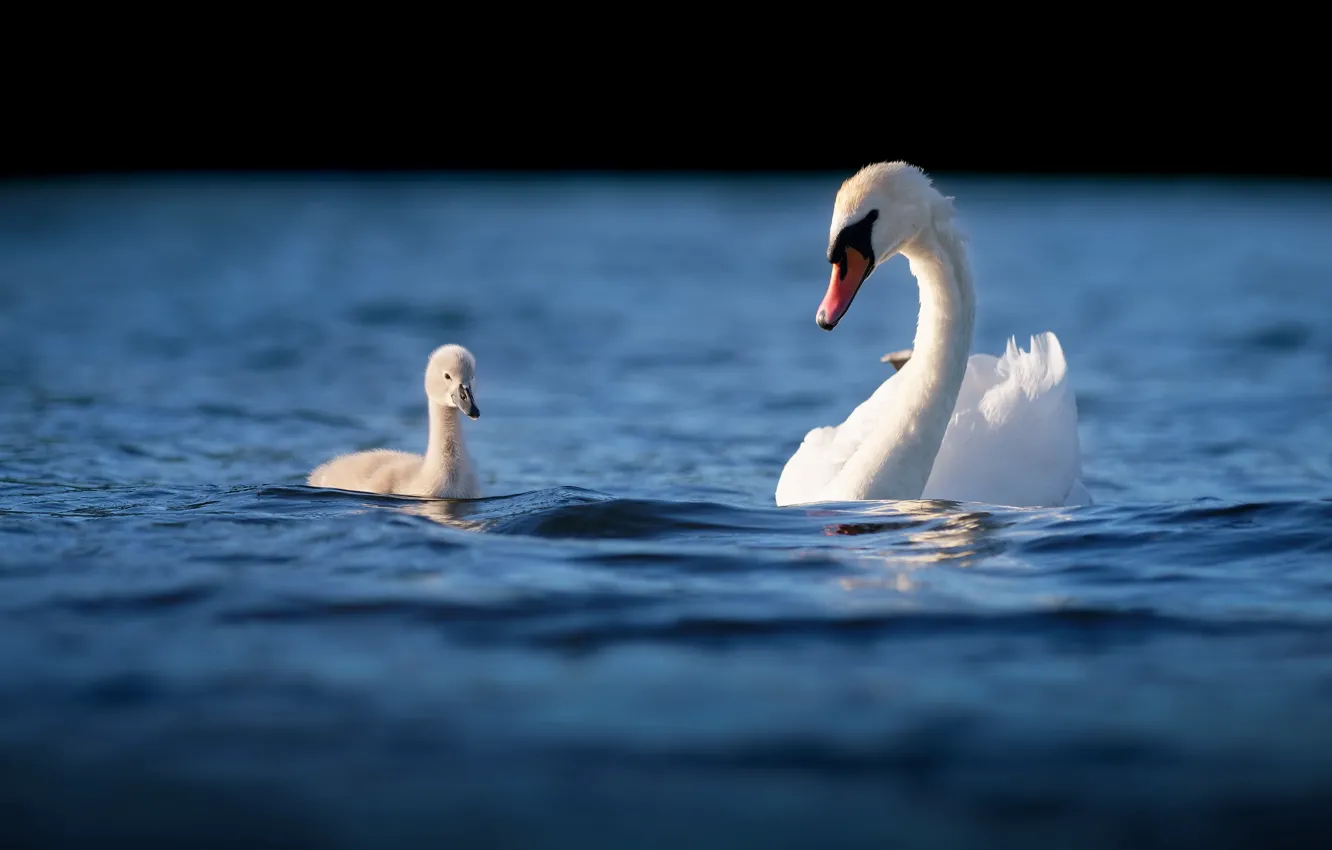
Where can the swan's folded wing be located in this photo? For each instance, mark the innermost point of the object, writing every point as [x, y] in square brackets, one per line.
[1013, 438]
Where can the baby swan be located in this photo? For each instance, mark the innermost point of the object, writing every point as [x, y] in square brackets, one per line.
[445, 472]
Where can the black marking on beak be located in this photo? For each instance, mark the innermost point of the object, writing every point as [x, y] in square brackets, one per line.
[854, 236]
[465, 395]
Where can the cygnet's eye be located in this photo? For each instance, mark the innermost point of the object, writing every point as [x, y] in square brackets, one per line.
[448, 377]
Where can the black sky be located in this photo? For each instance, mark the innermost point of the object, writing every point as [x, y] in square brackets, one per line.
[1114, 129]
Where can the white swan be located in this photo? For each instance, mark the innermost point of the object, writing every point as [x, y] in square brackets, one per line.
[446, 471]
[998, 430]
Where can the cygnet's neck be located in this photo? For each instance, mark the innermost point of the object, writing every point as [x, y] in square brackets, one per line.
[445, 446]
[896, 460]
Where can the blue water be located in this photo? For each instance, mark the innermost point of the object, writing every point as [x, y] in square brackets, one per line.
[628, 645]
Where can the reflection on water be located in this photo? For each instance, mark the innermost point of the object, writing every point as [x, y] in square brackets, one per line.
[922, 534]
[455, 513]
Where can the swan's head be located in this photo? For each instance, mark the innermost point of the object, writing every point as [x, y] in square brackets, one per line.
[448, 379]
[876, 214]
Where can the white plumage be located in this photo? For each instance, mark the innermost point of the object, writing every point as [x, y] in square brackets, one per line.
[997, 430]
[445, 471]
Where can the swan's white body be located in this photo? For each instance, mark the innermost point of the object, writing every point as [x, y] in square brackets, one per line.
[998, 430]
[445, 471]
[1012, 438]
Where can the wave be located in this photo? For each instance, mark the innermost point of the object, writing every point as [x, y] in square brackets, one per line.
[568, 565]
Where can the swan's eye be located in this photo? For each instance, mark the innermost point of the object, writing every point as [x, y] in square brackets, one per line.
[448, 377]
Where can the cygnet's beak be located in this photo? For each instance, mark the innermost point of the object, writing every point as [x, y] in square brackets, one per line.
[462, 397]
[847, 276]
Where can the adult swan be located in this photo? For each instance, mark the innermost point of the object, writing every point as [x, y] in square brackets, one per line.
[998, 430]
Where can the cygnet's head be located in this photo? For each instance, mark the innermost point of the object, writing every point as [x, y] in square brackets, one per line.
[877, 212]
[448, 379]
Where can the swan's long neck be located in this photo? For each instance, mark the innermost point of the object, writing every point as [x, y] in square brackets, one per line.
[896, 460]
[444, 450]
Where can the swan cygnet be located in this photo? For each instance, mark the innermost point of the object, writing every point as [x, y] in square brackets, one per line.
[445, 471]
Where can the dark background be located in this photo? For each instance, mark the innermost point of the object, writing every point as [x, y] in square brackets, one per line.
[1113, 124]
[1091, 90]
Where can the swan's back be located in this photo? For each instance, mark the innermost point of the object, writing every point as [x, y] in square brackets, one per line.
[374, 471]
[1013, 437]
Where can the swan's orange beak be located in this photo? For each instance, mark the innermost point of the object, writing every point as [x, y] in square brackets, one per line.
[846, 280]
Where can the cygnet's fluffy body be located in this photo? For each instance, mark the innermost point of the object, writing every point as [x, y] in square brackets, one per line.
[445, 471]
